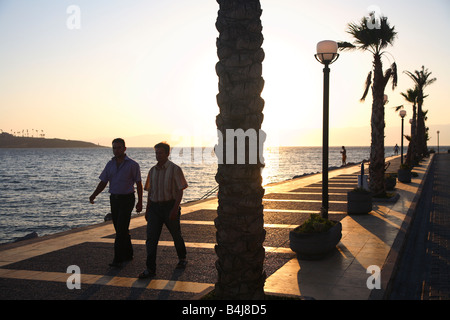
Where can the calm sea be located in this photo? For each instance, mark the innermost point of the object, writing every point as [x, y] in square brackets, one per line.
[47, 190]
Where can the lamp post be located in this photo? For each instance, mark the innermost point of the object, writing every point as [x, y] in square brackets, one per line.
[402, 115]
[326, 55]
[438, 140]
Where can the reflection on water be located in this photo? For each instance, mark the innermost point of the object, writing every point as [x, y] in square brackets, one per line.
[47, 190]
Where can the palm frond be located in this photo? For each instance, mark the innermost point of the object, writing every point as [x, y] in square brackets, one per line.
[387, 34]
[394, 75]
[391, 73]
[361, 35]
[372, 39]
[421, 78]
[405, 96]
[398, 108]
[425, 74]
[414, 77]
[410, 95]
[368, 83]
[343, 45]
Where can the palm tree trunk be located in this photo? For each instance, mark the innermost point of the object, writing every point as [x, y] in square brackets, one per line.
[414, 122]
[411, 154]
[421, 146]
[239, 223]
[376, 167]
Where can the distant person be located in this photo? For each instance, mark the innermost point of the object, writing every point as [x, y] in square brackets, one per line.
[165, 184]
[344, 156]
[396, 149]
[122, 173]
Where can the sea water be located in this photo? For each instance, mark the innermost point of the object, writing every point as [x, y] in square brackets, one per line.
[47, 190]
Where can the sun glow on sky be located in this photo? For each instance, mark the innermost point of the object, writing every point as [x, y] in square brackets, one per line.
[144, 70]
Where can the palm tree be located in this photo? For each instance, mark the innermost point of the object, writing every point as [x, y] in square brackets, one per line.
[425, 118]
[411, 96]
[421, 79]
[239, 223]
[375, 40]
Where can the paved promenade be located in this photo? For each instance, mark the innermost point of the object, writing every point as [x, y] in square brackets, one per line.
[436, 284]
[424, 269]
[38, 268]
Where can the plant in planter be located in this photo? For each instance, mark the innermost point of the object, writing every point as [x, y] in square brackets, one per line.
[359, 201]
[404, 173]
[390, 181]
[315, 238]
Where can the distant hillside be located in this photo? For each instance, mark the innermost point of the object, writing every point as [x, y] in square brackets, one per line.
[9, 141]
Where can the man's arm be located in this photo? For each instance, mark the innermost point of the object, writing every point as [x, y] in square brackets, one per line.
[174, 212]
[100, 187]
[139, 192]
[147, 207]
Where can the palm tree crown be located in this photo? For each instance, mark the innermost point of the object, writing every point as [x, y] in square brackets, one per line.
[422, 78]
[372, 39]
[410, 95]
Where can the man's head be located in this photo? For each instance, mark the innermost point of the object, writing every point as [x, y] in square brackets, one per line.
[118, 146]
[162, 151]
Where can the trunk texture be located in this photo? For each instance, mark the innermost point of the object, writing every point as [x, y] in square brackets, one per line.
[411, 154]
[240, 223]
[421, 146]
[376, 167]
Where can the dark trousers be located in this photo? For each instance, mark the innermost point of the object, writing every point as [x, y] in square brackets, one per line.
[157, 216]
[121, 208]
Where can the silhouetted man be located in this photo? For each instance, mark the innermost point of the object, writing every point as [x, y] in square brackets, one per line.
[165, 184]
[122, 173]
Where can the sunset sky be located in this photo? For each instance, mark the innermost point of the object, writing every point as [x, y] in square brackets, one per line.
[144, 70]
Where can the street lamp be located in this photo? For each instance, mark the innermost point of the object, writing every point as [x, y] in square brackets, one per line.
[438, 140]
[326, 55]
[402, 115]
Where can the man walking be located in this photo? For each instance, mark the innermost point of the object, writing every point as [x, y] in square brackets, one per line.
[122, 173]
[165, 184]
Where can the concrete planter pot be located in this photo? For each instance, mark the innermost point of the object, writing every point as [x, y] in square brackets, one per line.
[359, 202]
[404, 175]
[390, 183]
[314, 246]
